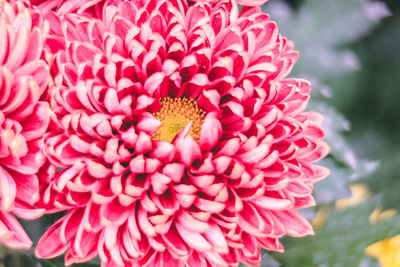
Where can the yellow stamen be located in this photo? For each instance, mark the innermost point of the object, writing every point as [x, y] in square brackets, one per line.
[175, 114]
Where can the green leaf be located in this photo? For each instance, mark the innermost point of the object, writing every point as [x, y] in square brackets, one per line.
[385, 182]
[266, 261]
[319, 27]
[59, 262]
[342, 241]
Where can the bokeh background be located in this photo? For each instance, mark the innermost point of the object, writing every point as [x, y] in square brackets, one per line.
[349, 49]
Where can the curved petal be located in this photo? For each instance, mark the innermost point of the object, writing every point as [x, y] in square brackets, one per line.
[17, 238]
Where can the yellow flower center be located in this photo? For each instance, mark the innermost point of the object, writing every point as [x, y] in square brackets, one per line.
[175, 114]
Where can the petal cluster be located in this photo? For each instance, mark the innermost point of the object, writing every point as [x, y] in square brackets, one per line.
[240, 2]
[137, 201]
[24, 77]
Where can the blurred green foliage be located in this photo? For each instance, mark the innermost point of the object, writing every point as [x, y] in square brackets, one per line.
[342, 240]
[356, 75]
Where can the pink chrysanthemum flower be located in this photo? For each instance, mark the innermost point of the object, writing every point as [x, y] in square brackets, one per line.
[23, 117]
[180, 140]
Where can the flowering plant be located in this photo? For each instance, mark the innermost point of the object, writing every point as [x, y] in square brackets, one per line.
[175, 135]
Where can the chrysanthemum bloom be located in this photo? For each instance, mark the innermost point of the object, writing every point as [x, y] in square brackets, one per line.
[23, 117]
[181, 141]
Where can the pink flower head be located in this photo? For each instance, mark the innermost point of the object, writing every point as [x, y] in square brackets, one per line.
[181, 141]
[23, 117]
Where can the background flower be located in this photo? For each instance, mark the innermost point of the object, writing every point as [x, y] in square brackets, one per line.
[24, 77]
[386, 251]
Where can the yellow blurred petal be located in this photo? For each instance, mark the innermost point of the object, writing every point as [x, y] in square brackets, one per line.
[360, 193]
[379, 215]
[321, 217]
[387, 251]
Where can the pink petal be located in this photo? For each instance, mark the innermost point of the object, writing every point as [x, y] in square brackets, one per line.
[50, 245]
[271, 203]
[113, 212]
[217, 239]
[294, 223]
[35, 126]
[211, 131]
[187, 150]
[8, 189]
[97, 170]
[19, 239]
[193, 239]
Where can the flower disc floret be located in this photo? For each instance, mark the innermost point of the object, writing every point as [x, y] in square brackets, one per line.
[175, 114]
